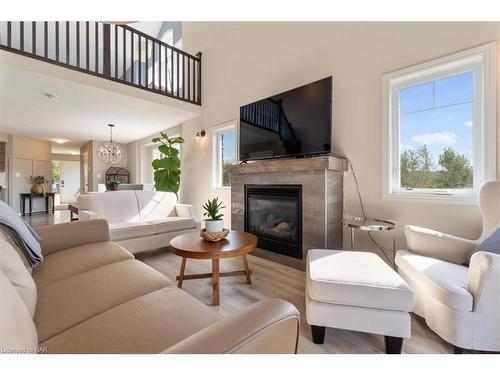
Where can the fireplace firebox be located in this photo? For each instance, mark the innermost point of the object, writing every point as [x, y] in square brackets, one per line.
[274, 214]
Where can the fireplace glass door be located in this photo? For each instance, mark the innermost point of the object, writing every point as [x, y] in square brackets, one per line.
[274, 214]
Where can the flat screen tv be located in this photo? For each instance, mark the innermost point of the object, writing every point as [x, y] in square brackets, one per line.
[291, 124]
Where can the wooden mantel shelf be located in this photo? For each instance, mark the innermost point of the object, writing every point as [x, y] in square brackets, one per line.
[325, 162]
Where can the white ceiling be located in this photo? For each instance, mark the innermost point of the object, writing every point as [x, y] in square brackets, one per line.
[79, 112]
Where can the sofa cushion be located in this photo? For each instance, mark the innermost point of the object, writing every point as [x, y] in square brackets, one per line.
[134, 229]
[356, 279]
[13, 268]
[63, 304]
[17, 331]
[147, 324]
[173, 224]
[444, 281]
[114, 206]
[155, 204]
[66, 263]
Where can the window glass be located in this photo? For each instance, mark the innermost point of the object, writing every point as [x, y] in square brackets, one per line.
[436, 144]
[416, 98]
[454, 89]
[225, 148]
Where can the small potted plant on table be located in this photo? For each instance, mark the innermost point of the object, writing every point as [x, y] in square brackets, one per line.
[113, 185]
[214, 222]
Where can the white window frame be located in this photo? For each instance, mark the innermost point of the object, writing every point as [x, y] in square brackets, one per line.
[217, 157]
[481, 61]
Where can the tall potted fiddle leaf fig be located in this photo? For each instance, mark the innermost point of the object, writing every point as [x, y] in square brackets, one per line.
[167, 169]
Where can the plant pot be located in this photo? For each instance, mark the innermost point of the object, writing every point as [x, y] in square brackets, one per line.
[37, 189]
[213, 226]
[111, 187]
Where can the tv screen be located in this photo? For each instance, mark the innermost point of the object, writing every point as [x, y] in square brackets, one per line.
[294, 123]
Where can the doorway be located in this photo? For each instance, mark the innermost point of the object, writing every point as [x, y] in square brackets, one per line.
[66, 180]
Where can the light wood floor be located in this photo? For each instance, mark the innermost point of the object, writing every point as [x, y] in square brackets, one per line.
[271, 279]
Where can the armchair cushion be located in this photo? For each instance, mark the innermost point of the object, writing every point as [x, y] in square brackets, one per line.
[489, 245]
[434, 244]
[443, 281]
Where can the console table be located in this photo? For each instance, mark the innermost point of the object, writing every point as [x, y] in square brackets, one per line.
[30, 197]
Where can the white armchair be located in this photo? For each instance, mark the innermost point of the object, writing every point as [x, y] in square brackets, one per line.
[461, 304]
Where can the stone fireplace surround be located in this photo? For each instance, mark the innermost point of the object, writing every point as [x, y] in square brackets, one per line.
[321, 178]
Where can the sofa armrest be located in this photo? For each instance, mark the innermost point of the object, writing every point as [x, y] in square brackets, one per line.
[186, 210]
[87, 215]
[58, 237]
[434, 244]
[267, 327]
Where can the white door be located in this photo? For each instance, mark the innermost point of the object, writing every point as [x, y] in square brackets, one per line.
[70, 181]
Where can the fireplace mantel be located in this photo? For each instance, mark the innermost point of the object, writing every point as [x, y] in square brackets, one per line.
[326, 162]
[321, 178]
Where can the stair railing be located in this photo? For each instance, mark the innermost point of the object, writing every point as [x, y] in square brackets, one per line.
[112, 51]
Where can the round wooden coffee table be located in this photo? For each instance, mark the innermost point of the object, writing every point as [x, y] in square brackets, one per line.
[191, 245]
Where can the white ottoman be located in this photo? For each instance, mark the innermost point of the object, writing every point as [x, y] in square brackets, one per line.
[357, 291]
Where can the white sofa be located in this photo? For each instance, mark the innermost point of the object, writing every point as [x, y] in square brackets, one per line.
[139, 220]
[461, 304]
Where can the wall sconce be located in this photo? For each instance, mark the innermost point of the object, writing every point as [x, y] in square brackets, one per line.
[201, 134]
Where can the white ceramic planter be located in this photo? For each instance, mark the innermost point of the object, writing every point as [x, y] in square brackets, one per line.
[212, 226]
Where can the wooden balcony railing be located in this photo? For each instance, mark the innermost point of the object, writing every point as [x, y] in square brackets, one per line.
[115, 52]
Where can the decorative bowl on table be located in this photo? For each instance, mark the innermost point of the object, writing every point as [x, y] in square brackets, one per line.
[214, 236]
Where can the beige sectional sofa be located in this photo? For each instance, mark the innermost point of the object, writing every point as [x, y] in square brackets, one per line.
[91, 296]
[139, 220]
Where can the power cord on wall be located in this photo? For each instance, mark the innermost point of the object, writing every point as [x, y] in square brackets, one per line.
[379, 247]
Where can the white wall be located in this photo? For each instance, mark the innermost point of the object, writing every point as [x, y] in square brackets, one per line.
[86, 167]
[243, 62]
[65, 157]
[28, 157]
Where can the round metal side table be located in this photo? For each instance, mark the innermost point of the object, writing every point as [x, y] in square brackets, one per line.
[370, 225]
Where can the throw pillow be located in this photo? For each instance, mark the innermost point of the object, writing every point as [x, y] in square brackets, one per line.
[489, 245]
[13, 268]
